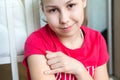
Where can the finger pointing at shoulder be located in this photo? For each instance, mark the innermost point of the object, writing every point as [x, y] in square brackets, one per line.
[50, 55]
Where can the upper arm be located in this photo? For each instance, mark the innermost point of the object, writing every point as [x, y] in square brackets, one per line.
[101, 73]
[37, 65]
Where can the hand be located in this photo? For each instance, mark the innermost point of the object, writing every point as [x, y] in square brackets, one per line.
[60, 62]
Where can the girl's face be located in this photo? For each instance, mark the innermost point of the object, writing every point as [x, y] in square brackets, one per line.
[64, 16]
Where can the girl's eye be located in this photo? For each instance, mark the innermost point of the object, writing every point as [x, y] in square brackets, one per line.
[52, 10]
[71, 5]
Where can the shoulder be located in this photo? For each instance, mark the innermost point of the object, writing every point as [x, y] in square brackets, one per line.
[91, 33]
[41, 39]
[96, 43]
[38, 35]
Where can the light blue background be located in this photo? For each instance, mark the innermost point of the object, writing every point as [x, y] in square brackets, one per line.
[97, 14]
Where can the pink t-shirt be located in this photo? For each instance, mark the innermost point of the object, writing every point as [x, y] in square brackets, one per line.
[92, 54]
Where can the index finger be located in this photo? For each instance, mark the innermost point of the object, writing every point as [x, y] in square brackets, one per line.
[50, 54]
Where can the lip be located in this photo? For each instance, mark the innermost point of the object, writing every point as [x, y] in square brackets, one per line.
[66, 29]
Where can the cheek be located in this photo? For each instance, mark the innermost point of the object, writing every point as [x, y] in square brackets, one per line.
[53, 20]
[78, 15]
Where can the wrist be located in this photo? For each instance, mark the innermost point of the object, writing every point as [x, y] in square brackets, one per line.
[79, 70]
[82, 74]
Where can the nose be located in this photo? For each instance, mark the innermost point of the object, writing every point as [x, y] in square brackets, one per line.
[64, 17]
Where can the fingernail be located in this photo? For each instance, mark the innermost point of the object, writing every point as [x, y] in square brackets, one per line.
[47, 51]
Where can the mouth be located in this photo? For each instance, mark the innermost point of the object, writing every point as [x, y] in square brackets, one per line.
[68, 28]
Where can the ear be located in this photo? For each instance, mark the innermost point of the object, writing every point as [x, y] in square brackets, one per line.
[84, 3]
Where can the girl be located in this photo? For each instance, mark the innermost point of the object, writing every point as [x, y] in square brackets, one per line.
[64, 49]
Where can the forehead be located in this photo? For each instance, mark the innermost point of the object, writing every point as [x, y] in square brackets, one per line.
[45, 2]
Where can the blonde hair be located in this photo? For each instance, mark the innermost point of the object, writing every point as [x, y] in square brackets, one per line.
[85, 21]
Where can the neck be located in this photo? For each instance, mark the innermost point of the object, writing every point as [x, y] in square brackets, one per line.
[74, 41]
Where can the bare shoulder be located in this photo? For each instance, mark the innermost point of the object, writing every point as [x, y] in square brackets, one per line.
[37, 65]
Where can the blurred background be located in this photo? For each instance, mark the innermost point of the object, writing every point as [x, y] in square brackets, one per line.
[19, 18]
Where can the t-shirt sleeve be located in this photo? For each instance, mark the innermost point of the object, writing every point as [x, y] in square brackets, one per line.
[33, 45]
[103, 51]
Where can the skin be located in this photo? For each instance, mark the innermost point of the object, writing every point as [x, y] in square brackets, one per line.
[65, 18]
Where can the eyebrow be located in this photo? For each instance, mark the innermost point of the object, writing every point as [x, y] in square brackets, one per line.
[55, 6]
[69, 1]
